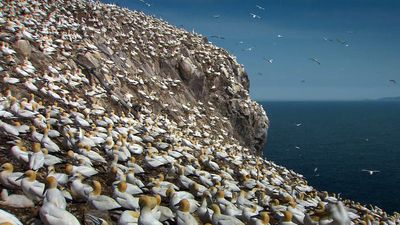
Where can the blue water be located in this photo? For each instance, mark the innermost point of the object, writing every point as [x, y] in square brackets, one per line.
[340, 139]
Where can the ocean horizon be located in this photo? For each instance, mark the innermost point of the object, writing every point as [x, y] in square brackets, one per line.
[332, 142]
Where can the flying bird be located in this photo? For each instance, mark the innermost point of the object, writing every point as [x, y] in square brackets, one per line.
[371, 172]
[255, 16]
[248, 49]
[315, 60]
[280, 36]
[218, 37]
[393, 81]
[340, 41]
[146, 3]
[297, 147]
[269, 60]
[315, 172]
[298, 124]
[259, 7]
[217, 16]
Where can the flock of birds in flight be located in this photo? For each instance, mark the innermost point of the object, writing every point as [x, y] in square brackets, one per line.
[370, 172]
[271, 60]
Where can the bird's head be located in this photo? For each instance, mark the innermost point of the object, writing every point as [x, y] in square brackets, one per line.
[51, 183]
[30, 175]
[96, 188]
[216, 209]
[264, 217]
[36, 147]
[7, 167]
[147, 202]
[122, 186]
[287, 216]
[68, 169]
[133, 159]
[170, 191]
[184, 205]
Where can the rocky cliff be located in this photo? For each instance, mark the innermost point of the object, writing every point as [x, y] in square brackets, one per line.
[150, 63]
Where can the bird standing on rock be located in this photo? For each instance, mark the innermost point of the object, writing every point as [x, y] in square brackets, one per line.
[101, 202]
[146, 217]
[32, 188]
[9, 178]
[53, 195]
[183, 216]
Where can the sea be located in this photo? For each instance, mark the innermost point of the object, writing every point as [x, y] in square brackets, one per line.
[330, 143]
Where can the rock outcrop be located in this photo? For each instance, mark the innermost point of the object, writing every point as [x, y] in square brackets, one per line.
[159, 54]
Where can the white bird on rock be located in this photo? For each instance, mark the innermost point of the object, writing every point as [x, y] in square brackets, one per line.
[51, 215]
[32, 188]
[53, 195]
[7, 218]
[14, 200]
[9, 178]
[101, 202]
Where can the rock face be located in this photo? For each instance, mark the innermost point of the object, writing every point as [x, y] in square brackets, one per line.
[201, 74]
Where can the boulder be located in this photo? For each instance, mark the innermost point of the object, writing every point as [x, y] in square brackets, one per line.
[105, 49]
[186, 69]
[88, 60]
[23, 47]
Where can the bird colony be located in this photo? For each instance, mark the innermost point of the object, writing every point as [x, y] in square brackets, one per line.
[83, 143]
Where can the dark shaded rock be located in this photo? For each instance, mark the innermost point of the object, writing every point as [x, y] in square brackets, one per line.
[250, 122]
[88, 60]
[105, 49]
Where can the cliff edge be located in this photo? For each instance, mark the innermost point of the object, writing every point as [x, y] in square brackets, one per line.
[148, 62]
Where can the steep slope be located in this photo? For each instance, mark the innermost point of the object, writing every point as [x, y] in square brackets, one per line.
[143, 57]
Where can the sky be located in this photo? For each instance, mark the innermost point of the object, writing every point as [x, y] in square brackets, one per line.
[356, 42]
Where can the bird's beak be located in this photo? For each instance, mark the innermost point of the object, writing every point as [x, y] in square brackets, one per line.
[150, 184]
[95, 221]
[21, 177]
[45, 188]
[254, 216]
[177, 204]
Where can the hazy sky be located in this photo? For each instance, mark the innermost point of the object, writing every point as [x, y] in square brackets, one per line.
[361, 70]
